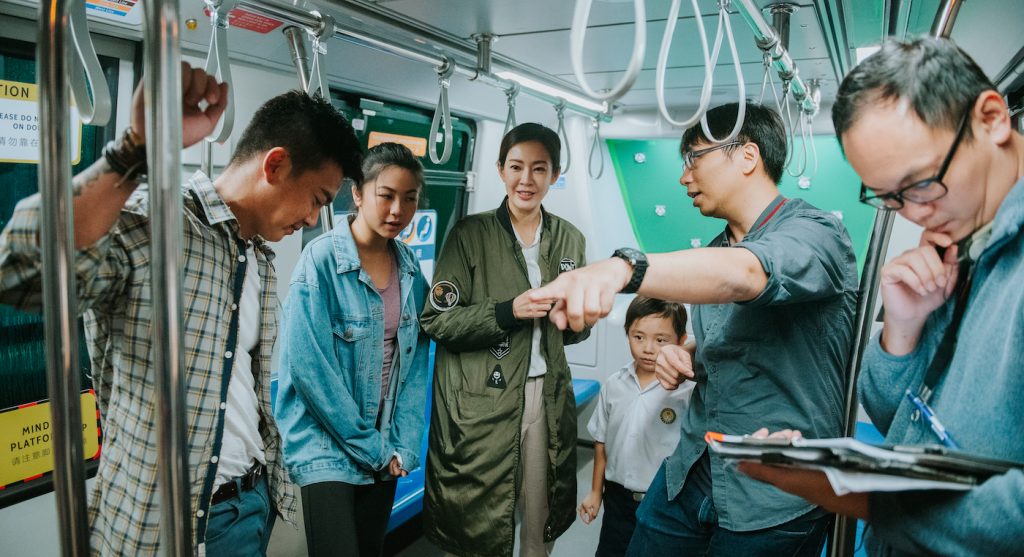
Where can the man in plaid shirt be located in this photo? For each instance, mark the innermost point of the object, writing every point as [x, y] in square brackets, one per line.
[289, 163]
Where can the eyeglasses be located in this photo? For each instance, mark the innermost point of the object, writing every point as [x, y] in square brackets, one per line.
[690, 157]
[922, 191]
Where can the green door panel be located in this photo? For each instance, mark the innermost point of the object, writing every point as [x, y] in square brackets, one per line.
[648, 174]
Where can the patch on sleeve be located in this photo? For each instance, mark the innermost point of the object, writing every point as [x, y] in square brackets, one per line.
[503, 348]
[566, 265]
[496, 379]
[444, 295]
[668, 415]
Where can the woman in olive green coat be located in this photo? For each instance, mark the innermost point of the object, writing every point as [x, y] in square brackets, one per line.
[503, 427]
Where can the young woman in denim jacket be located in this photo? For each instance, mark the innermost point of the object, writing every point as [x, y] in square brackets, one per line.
[354, 363]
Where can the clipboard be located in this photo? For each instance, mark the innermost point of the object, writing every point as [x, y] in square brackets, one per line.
[928, 462]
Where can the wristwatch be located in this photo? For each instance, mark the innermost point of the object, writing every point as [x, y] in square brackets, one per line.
[638, 261]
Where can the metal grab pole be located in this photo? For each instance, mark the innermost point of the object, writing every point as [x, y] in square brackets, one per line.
[945, 17]
[59, 296]
[164, 140]
[769, 40]
[844, 531]
[297, 16]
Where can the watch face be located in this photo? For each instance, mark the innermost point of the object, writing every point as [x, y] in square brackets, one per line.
[631, 254]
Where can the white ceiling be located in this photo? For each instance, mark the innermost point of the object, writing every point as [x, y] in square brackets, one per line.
[535, 35]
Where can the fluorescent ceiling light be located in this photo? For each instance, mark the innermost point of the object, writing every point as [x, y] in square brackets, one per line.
[554, 91]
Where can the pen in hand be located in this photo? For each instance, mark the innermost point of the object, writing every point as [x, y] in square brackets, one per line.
[940, 431]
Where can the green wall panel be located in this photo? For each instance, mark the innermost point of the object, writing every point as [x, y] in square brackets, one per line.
[655, 182]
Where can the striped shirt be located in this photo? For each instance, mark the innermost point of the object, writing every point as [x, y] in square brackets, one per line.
[114, 297]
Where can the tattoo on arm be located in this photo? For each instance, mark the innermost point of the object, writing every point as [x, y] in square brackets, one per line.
[90, 176]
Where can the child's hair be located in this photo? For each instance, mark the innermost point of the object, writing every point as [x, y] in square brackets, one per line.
[642, 306]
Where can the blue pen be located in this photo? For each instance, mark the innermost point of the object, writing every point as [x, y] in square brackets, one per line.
[944, 437]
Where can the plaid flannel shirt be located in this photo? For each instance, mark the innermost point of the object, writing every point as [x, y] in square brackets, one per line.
[114, 296]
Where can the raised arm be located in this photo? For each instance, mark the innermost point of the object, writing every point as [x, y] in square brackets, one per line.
[101, 190]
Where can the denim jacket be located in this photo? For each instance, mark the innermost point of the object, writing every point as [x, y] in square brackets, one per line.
[332, 351]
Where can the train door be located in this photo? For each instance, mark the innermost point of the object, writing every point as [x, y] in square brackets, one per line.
[26, 508]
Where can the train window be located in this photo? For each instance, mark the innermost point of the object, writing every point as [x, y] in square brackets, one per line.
[445, 185]
[22, 358]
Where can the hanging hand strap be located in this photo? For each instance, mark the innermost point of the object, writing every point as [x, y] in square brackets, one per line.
[218, 65]
[577, 37]
[510, 94]
[444, 75]
[85, 71]
[741, 90]
[595, 147]
[662, 65]
[318, 41]
[560, 111]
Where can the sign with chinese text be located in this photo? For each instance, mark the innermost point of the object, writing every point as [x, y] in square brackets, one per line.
[19, 124]
[26, 439]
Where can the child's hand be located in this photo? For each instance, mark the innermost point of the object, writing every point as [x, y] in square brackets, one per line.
[589, 507]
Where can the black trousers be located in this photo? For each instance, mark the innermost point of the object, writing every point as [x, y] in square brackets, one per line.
[619, 520]
[345, 520]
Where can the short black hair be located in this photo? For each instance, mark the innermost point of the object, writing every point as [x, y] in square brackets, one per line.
[386, 155]
[936, 78]
[531, 131]
[762, 126]
[642, 306]
[313, 132]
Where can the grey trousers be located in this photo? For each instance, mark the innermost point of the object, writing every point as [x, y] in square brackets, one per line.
[533, 491]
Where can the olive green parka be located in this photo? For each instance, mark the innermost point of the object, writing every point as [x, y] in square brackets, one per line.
[483, 356]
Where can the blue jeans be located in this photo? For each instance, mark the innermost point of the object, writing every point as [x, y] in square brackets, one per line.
[688, 525]
[241, 526]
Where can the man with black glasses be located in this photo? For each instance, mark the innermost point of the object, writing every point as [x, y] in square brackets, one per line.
[773, 310]
[932, 138]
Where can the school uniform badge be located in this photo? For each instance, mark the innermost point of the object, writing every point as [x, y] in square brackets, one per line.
[503, 348]
[668, 415]
[444, 295]
[566, 265]
[496, 380]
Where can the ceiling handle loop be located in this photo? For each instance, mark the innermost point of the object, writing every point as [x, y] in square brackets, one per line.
[442, 111]
[661, 68]
[318, 84]
[560, 112]
[595, 147]
[577, 37]
[510, 96]
[86, 72]
[741, 88]
[218, 65]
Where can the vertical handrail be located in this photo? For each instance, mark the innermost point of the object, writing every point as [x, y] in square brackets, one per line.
[164, 140]
[59, 294]
[844, 531]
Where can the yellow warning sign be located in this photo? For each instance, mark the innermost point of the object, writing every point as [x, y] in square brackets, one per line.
[26, 439]
[20, 138]
[418, 145]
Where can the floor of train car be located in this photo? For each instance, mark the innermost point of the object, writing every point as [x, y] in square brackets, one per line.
[408, 541]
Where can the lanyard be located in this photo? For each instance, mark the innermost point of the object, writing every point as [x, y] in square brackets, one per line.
[968, 250]
[759, 224]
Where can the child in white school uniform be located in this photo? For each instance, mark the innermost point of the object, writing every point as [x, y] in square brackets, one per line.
[635, 425]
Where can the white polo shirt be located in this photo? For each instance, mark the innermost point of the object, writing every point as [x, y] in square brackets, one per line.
[639, 427]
